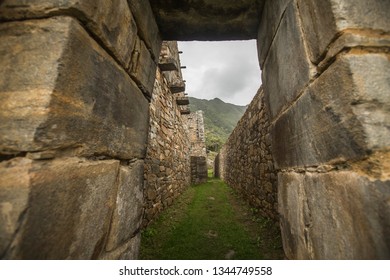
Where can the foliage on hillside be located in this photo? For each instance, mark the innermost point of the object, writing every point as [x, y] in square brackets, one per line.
[220, 118]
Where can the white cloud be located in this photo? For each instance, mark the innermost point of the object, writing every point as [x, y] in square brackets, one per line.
[228, 70]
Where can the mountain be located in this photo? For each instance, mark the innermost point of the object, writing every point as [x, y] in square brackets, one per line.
[220, 119]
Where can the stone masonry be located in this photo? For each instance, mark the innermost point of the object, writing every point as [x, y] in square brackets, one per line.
[198, 147]
[75, 77]
[245, 161]
[328, 130]
[329, 103]
[167, 164]
[75, 81]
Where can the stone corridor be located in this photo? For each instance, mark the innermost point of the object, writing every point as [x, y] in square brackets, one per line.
[96, 138]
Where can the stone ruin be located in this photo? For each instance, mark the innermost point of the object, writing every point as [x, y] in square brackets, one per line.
[78, 178]
[176, 145]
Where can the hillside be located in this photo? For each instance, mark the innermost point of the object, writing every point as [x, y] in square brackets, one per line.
[220, 119]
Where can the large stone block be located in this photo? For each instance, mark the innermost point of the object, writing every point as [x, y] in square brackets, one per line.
[323, 20]
[143, 68]
[354, 39]
[270, 19]
[283, 81]
[60, 90]
[207, 19]
[68, 211]
[128, 212]
[110, 21]
[338, 215]
[343, 115]
[147, 26]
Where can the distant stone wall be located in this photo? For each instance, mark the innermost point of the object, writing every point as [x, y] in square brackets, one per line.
[245, 161]
[198, 151]
[167, 164]
[75, 77]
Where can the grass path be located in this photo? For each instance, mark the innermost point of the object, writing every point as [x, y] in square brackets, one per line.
[210, 222]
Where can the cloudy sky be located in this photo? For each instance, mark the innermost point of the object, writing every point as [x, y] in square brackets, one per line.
[228, 70]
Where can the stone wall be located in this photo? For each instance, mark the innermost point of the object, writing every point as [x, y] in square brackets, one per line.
[75, 80]
[326, 72]
[167, 164]
[75, 77]
[198, 147]
[245, 161]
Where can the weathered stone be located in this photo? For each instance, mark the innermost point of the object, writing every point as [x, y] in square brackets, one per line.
[284, 81]
[343, 115]
[198, 169]
[242, 162]
[147, 26]
[14, 193]
[338, 215]
[142, 68]
[68, 211]
[151, 194]
[110, 21]
[78, 89]
[167, 168]
[323, 20]
[354, 39]
[128, 212]
[207, 19]
[270, 19]
[128, 251]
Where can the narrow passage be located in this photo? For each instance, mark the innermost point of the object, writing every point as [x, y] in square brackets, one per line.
[210, 222]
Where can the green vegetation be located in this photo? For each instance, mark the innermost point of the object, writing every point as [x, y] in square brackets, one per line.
[209, 222]
[220, 119]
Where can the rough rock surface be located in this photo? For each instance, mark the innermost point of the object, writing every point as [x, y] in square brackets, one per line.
[324, 20]
[54, 213]
[127, 216]
[79, 88]
[110, 21]
[338, 215]
[317, 130]
[283, 81]
[147, 26]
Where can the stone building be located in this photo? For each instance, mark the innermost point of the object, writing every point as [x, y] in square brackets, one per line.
[76, 84]
[245, 162]
[198, 151]
[167, 162]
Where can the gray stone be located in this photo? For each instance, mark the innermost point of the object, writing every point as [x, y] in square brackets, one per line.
[143, 68]
[207, 19]
[110, 21]
[147, 26]
[338, 215]
[273, 12]
[128, 251]
[245, 161]
[59, 89]
[128, 211]
[343, 115]
[354, 39]
[70, 203]
[283, 81]
[323, 20]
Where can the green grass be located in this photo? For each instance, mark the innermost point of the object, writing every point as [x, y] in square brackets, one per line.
[208, 222]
